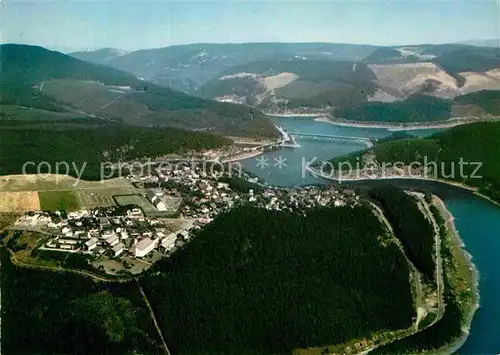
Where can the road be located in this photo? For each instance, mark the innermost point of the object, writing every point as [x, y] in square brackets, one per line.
[152, 314]
[424, 207]
[419, 295]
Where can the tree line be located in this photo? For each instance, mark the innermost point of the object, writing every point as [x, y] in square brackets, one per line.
[90, 146]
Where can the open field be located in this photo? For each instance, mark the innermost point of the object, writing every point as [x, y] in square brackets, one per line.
[58, 200]
[101, 197]
[138, 200]
[172, 203]
[19, 201]
[50, 192]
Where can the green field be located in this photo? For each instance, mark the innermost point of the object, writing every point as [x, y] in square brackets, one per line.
[58, 200]
[101, 197]
[138, 200]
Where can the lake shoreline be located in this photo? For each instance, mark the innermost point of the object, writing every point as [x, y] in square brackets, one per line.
[392, 127]
[456, 241]
[396, 126]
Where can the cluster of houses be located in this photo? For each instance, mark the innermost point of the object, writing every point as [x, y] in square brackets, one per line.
[117, 231]
[111, 231]
[206, 192]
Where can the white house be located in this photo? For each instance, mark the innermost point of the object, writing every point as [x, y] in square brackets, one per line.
[91, 243]
[118, 249]
[169, 241]
[144, 246]
[112, 240]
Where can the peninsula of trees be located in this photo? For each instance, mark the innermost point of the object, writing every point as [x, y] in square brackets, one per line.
[266, 282]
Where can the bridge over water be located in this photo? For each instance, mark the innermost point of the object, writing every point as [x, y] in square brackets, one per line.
[364, 140]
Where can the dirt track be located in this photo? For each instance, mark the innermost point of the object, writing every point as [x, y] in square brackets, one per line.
[40, 182]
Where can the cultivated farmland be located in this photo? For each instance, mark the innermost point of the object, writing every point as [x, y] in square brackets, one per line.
[53, 192]
[19, 201]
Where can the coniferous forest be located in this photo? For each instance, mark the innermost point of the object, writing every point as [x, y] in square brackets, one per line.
[258, 282]
[90, 144]
[449, 328]
[46, 312]
[410, 227]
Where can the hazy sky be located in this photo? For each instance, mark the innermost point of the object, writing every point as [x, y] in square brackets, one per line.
[68, 25]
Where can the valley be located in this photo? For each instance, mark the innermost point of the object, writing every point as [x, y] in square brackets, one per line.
[127, 231]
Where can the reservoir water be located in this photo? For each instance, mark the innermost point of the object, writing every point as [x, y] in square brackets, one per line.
[477, 220]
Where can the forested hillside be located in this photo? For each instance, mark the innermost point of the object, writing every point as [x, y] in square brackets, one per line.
[88, 145]
[469, 59]
[188, 67]
[302, 83]
[35, 77]
[46, 312]
[410, 227]
[265, 282]
[488, 100]
[475, 144]
[414, 109]
[458, 303]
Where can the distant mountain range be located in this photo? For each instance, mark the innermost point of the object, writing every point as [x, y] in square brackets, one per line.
[282, 76]
[100, 56]
[187, 67]
[483, 43]
[385, 75]
[38, 83]
[225, 86]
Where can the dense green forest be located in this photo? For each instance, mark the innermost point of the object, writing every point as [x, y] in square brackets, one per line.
[259, 282]
[242, 185]
[410, 227]
[92, 145]
[488, 100]
[382, 55]
[47, 312]
[448, 328]
[414, 109]
[328, 95]
[469, 59]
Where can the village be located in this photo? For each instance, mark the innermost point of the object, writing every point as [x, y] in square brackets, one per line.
[182, 199]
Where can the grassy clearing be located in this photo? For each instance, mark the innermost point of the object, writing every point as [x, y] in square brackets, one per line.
[58, 201]
[138, 200]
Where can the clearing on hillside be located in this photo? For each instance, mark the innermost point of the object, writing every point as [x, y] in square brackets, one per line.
[409, 78]
[64, 200]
